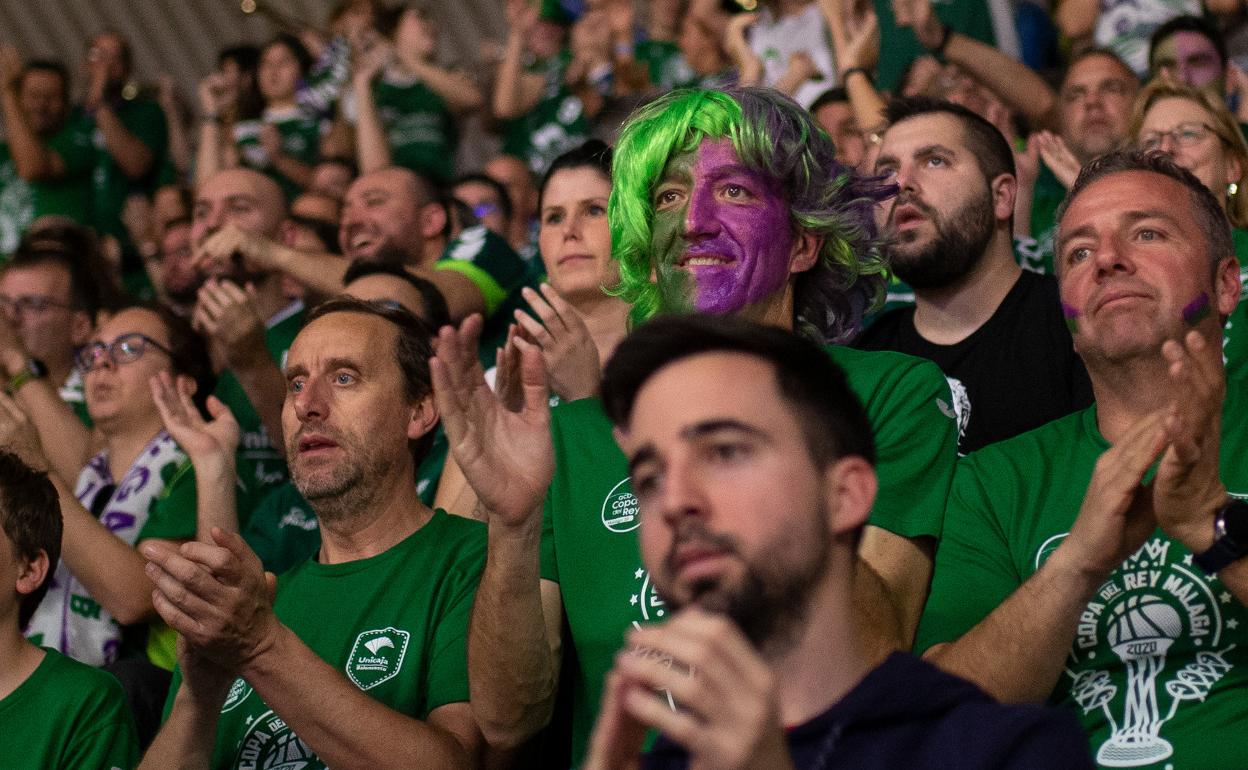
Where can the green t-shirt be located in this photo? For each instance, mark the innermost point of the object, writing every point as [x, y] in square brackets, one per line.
[900, 46]
[395, 624]
[67, 715]
[110, 186]
[589, 540]
[555, 125]
[283, 530]
[498, 272]
[419, 127]
[1159, 664]
[22, 202]
[301, 140]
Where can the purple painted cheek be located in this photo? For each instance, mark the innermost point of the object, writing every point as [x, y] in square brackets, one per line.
[1071, 314]
[1196, 310]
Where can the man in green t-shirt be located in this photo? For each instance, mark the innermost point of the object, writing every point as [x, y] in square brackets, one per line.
[56, 712]
[46, 160]
[713, 229]
[1126, 604]
[360, 658]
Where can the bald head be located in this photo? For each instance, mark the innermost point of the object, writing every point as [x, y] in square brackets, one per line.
[244, 198]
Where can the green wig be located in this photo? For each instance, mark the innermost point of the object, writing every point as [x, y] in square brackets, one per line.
[776, 137]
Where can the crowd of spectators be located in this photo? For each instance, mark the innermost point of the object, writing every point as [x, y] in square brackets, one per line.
[801, 383]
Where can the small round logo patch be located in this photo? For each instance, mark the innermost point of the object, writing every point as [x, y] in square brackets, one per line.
[620, 512]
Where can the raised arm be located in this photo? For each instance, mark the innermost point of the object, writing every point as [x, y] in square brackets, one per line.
[856, 55]
[1076, 18]
[516, 91]
[33, 159]
[508, 459]
[131, 155]
[372, 148]
[1015, 84]
[210, 156]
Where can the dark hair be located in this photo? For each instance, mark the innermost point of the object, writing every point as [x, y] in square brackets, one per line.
[833, 422]
[296, 48]
[49, 66]
[595, 154]
[84, 284]
[990, 149]
[82, 246]
[388, 19]
[1209, 214]
[504, 200]
[245, 55]
[835, 95]
[1200, 26]
[436, 314]
[413, 347]
[31, 517]
[188, 352]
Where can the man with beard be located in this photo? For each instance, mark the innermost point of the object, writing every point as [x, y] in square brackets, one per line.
[177, 280]
[357, 657]
[752, 501]
[723, 203]
[996, 331]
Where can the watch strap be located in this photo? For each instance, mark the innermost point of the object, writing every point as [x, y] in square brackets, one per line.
[1225, 549]
[33, 370]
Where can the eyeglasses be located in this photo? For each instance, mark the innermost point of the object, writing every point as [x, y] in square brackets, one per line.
[33, 303]
[123, 350]
[1184, 135]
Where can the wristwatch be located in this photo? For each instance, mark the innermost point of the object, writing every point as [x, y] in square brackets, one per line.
[1230, 538]
[32, 370]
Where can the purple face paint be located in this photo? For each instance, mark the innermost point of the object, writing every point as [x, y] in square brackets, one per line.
[737, 234]
[1071, 315]
[1195, 311]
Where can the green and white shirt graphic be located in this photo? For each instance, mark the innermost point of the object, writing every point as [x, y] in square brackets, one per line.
[589, 539]
[395, 625]
[1159, 661]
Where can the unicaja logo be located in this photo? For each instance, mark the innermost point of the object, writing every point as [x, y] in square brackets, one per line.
[377, 656]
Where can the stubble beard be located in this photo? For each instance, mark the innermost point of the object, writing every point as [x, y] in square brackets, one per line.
[771, 601]
[345, 492]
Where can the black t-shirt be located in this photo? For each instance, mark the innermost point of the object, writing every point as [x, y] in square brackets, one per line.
[1016, 372]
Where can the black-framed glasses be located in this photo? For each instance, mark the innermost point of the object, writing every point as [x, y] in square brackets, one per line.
[1184, 135]
[31, 303]
[123, 350]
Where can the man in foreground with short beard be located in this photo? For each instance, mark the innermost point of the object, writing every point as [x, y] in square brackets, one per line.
[360, 660]
[752, 500]
[995, 330]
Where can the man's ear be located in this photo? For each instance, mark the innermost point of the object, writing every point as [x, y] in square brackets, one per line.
[806, 248]
[424, 417]
[1226, 286]
[80, 327]
[32, 572]
[1004, 191]
[849, 487]
[432, 220]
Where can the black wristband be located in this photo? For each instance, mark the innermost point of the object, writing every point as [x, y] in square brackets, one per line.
[852, 70]
[939, 50]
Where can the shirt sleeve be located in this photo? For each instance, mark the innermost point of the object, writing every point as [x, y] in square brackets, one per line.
[916, 449]
[974, 571]
[487, 261]
[109, 740]
[448, 662]
[73, 144]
